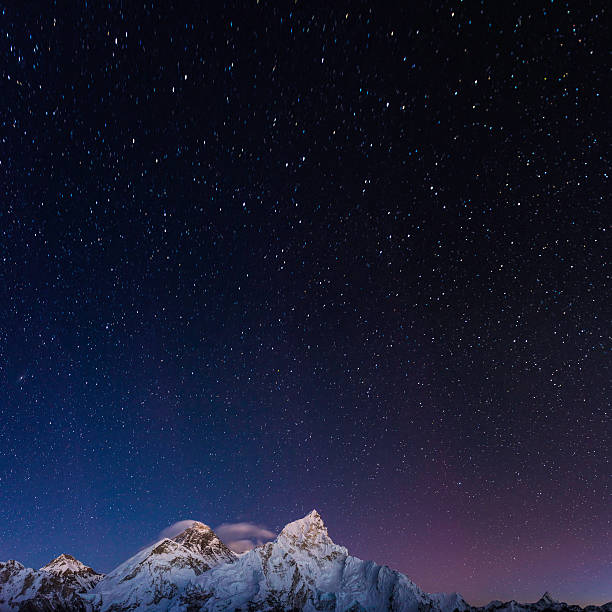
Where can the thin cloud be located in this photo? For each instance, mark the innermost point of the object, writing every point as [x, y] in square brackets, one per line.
[241, 546]
[241, 537]
[175, 529]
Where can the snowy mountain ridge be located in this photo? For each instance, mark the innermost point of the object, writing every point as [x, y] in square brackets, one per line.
[302, 569]
[59, 585]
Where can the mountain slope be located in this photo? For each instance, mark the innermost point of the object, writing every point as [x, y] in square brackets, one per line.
[56, 586]
[159, 574]
[203, 541]
[71, 573]
[303, 569]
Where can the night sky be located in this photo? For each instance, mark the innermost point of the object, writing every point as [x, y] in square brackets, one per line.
[270, 257]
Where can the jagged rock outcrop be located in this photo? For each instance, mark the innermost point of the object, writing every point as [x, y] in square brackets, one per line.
[58, 586]
[202, 540]
[304, 570]
[301, 570]
[162, 573]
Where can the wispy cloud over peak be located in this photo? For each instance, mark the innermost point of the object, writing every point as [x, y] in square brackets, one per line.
[241, 537]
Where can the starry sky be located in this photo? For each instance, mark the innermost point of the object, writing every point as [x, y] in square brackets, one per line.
[267, 257]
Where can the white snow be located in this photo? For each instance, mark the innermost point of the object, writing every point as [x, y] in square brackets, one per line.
[303, 569]
[58, 583]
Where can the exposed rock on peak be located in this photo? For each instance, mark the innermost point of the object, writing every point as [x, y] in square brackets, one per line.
[164, 547]
[202, 540]
[313, 519]
[64, 558]
[67, 564]
[161, 572]
[199, 526]
[308, 533]
[155, 574]
[302, 570]
[65, 573]
[58, 585]
[11, 564]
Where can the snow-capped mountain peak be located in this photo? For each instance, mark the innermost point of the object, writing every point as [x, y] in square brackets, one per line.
[202, 540]
[155, 574]
[308, 533]
[64, 564]
[546, 601]
[161, 572]
[302, 570]
[11, 566]
[199, 525]
[72, 573]
[59, 585]
[312, 521]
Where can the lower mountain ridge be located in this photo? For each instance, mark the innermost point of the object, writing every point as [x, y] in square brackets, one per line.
[302, 570]
[58, 586]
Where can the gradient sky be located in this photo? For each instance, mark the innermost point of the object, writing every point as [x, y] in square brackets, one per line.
[276, 257]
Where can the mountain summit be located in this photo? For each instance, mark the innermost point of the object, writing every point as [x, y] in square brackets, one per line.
[308, 533]
[161, 572]
[202, 540]
[64, 563]
[59, 585]
[72, 574]
[302, 570]
[547, 599]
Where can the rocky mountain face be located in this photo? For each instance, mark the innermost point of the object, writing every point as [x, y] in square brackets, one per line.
[161, 574]
[202, 540]
[304, 570]
[59, 585]
[72, 574]
[301, 570]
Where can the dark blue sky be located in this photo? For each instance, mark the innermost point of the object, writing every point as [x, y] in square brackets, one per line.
[272, 258]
